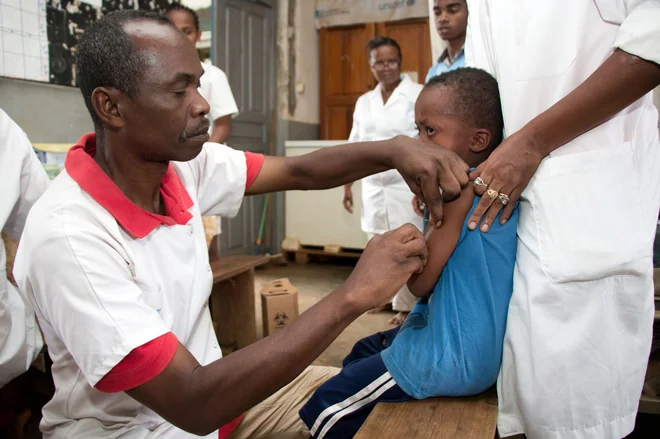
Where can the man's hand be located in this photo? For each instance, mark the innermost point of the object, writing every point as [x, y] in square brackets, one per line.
[348, 198]
[386, 264]
[418, 206]
[427, 168]
[507, 171]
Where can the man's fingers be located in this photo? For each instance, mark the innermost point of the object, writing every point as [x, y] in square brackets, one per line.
[431, 196]
[478, 170]
[490, 216]
[461, 171]
[482, 182]
[415, 265]
[417, 248]
[508, 209]
[479, 212]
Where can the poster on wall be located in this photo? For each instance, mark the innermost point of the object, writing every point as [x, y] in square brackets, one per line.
[23, 39]
[39, 37]
[345, 12]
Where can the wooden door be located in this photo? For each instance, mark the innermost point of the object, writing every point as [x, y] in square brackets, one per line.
[344, 76]
[415, 40]
[345, 73]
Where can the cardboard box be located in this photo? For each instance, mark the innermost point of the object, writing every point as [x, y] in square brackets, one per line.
[279, 305]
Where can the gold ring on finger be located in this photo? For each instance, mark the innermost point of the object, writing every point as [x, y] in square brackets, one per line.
[492, 193]
[479, 182]
[504, 198]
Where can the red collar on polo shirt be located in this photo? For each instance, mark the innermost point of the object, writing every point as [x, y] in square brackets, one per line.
[80, 165]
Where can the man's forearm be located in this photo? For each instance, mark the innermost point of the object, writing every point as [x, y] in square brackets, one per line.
[621, 80]
[332, 167]
[230, 386]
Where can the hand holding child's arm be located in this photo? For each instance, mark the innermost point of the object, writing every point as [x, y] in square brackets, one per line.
[442, 243]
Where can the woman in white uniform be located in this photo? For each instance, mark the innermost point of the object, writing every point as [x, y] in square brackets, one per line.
[23, 182]
[583, 156]
[385, 112]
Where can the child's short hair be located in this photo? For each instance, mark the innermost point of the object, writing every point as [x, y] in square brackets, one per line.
[180, 7]
[476, 99]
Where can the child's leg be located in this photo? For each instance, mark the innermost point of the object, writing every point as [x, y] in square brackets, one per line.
[341, 405]
[371, 345]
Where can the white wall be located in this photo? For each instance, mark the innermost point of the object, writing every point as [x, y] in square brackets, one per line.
[307, 75]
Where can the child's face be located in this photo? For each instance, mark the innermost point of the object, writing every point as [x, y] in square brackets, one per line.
[439, 126]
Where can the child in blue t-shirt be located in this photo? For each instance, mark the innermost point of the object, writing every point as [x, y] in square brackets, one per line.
[451, 343]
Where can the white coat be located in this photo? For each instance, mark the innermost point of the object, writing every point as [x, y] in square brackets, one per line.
[579, 325]
[386, 198]
[22, 182]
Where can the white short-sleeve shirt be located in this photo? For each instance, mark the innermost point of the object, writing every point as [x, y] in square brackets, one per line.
[214, 87]
[106, 277]
[22, 181]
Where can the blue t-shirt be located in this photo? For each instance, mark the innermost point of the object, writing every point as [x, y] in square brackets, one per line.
[451, 343]
[442, 67]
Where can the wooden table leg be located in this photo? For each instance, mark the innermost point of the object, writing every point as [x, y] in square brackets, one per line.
[232, 308]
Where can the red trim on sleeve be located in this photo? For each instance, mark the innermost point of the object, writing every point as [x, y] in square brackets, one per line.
[141, 365]
[228, 429]
[254, 163]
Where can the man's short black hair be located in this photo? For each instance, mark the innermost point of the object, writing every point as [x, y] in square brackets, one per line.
[180, 7]
[377, 42]
[106, 56]
[476, 99]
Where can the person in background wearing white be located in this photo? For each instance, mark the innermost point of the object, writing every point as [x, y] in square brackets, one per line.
[386, 111]
[583, 156]
[23, 181]
[214, 87]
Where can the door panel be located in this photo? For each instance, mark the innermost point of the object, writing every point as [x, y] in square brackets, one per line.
[243, 46]
[415, 40]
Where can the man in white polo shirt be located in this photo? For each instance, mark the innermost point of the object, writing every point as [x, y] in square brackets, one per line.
[113, 256]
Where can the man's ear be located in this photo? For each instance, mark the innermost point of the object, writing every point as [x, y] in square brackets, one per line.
[480, 141]
[105, 101]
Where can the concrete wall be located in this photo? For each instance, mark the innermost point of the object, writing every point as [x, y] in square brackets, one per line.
[298, 75]
[47, 113]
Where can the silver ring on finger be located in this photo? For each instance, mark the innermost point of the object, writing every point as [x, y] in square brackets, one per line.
[479, 182]
[504, 198]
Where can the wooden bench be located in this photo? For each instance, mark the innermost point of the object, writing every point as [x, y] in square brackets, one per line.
[438, 418]
[232, 300]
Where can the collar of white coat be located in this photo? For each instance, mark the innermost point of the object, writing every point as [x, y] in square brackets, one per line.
[405, 88]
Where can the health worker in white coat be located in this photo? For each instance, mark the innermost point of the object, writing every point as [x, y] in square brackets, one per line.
[583, 156]
[382, 113]
[23, 181]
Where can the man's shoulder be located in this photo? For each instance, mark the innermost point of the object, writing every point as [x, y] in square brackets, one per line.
[62, 210]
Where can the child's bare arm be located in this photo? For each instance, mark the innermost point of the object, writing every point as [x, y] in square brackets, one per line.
[442, 243]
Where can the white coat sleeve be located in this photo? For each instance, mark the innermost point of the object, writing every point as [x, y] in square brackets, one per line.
[355, 130]
[639, 20]
[23, 182]
[220, 174]
[221, 99]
